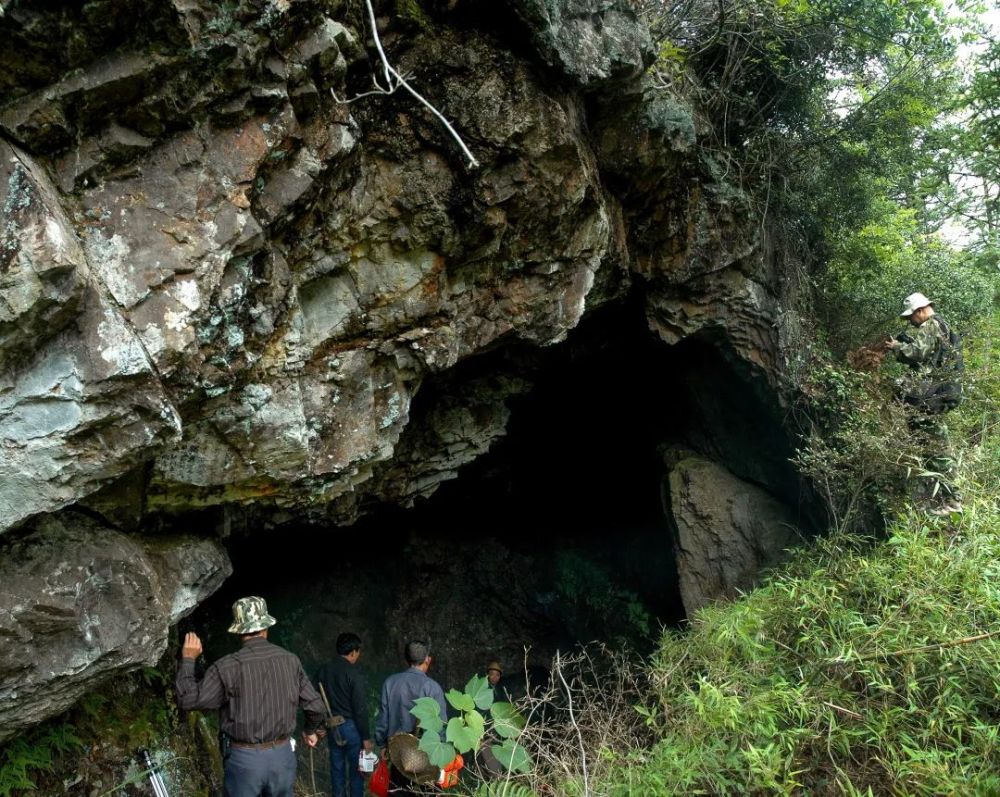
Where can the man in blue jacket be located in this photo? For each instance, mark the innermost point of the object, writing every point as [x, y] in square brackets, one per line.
[399, 693]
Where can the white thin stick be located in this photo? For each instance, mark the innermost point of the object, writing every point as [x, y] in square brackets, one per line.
[572, 719]
[842, 710]
[394, 80]
[378, 42]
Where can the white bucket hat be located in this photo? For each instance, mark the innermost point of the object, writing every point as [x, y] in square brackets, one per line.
[914, 302]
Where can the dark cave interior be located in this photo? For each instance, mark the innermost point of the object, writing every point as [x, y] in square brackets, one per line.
[557, 536]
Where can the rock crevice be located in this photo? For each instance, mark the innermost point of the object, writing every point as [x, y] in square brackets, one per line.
[222, 289]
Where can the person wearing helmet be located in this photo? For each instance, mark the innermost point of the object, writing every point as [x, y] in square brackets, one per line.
[498, 684]
[920, 349]
[932, 387]
[257, 690]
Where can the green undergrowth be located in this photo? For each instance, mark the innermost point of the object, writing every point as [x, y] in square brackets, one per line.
[97, 742]
[861, 667]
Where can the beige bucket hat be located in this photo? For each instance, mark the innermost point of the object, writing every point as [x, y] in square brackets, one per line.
[914, 302]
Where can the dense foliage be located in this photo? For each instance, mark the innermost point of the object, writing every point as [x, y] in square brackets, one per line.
[868, 664]
[862, 134]
[861, 667]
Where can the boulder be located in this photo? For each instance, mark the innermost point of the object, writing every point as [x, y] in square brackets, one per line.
[726, 530]
[80, 602]
[594, 43]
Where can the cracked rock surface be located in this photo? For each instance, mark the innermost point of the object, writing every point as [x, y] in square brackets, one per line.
[222, 287]
[81, 601]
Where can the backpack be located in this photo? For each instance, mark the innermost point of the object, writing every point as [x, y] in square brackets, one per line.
[949, 356]
[944, 392]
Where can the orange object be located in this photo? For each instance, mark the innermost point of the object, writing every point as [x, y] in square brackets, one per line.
[449, 775]
[379, 783]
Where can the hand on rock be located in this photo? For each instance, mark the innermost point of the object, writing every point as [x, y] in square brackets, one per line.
[192, 646]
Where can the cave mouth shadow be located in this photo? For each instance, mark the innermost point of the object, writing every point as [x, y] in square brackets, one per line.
[556, 536]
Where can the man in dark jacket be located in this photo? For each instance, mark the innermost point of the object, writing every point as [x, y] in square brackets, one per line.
[346, 690]
[257, 690]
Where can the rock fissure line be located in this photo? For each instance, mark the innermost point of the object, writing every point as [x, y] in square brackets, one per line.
[236, 287]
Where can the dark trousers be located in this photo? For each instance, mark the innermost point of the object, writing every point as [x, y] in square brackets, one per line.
[344, 775]
[259, 773]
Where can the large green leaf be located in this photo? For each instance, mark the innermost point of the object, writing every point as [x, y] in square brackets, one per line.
[460, 700]
[440, 753]
[479, 690]
[428, 713]
[461, 735]
[507, 720]
[477, 721]
[513, 756]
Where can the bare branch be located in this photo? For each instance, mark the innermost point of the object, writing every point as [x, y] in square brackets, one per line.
[572, 720]
[394, 80]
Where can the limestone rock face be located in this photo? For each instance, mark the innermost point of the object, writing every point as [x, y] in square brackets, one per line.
[223, 287]
[79, 601]
[251, 292]
[235, 284]
[726, 530]
[71, 366]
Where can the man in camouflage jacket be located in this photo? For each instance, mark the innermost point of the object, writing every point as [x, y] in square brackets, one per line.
[932, 388]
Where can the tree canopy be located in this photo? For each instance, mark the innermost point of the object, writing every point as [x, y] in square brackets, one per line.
[864, 134]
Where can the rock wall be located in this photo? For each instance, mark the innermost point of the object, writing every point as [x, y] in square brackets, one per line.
[212, 266]
[81, 602]
[222, 285]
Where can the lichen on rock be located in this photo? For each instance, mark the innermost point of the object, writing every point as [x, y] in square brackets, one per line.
[221, 285]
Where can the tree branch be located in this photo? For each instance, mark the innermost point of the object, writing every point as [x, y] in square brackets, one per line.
[394, 80]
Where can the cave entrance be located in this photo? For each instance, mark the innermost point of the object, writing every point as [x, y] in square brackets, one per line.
[557, 535]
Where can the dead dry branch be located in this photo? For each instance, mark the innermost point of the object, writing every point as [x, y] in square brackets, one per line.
[584, 717]
[394, 80]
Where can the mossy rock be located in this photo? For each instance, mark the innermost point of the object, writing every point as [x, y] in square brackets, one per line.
[413, 15]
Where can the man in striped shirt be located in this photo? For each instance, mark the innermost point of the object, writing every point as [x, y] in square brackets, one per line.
[257, 691]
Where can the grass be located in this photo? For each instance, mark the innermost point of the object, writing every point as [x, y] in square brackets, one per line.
[862, 667]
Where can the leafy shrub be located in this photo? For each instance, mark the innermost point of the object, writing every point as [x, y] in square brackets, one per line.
[478, 716]
[857, 450]
[595, 606]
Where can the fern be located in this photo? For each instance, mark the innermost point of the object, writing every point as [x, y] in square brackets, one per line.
[21, 761]
[61, 739]
[14, 780]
